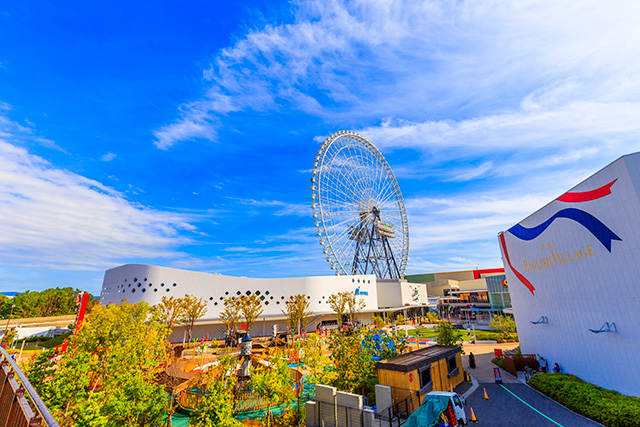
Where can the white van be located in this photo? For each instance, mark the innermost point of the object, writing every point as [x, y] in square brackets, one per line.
[455, 402]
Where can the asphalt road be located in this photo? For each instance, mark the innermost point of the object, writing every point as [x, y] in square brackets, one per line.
[505, 409]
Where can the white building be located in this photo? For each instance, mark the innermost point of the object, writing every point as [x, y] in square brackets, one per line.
[138, 282]
[573, 269]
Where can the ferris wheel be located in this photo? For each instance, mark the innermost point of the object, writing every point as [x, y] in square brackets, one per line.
[358, 208]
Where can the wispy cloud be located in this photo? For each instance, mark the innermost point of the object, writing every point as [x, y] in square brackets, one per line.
[108, 157]
[280, 208]
[486, 110]
[53, 218]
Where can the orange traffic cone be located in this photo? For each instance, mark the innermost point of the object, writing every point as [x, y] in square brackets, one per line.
[473, 416]
[486, 397]
[451, 388]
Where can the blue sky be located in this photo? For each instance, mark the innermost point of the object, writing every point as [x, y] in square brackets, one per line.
[183, 135]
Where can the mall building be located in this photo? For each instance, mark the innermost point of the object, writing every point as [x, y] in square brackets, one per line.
[474, 295]
[573, 269]
[149, 283]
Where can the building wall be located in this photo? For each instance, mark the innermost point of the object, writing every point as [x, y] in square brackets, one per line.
[579, 282]
[139, 282]
[411, 380]
[128, 282]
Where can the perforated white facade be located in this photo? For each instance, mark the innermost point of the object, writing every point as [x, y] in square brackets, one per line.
[139, 282]
[573, 268]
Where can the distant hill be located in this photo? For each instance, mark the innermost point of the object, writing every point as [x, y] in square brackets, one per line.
[10, 294]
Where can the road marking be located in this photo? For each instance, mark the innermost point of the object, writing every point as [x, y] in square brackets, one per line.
[514, 395]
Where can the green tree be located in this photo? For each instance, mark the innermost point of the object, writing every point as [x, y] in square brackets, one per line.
[193, 309]
[215, 407]
[273, 383]
[296, 311]
[353, 364]
[169, 311]
[50, 302]
[315, 361]
[504, 325]
[354, 305]
[107, 376]
[230, 316]
[338, 303]
[251, 309]
[447, 335]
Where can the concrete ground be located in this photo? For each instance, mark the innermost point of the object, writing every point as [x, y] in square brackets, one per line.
[514, 403]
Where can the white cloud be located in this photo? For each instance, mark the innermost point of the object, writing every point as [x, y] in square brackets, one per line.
[281, 208]
[108, 157]
[52, 218]
[516, 100]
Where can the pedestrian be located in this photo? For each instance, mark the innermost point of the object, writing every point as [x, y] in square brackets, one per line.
[472, 361]
[543, 365]
[556, 368]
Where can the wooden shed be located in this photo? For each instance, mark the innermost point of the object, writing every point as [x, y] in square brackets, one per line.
[434, 368]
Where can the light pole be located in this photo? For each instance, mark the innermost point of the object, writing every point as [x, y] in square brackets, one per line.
[6, 329]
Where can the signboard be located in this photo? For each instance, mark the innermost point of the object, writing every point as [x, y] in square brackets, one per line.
[497, 375]
[497, 352]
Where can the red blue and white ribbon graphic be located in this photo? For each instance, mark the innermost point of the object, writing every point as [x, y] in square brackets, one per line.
[588, 221]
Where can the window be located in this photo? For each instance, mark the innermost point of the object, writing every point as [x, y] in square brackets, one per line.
[426, 383]
[456, 401]
[452, 366]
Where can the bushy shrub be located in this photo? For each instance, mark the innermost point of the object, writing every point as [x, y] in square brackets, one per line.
[499, 361]
[495, 336]
[602, 405]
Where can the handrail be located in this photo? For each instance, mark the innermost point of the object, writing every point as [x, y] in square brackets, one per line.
[41, 407]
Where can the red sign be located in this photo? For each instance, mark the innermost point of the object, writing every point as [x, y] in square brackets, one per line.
[497, 375]
[410, 377]
[243, 326]
[497, 352]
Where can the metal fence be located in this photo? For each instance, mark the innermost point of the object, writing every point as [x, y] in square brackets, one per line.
[20, 405]
[332, 414]
[404, 403]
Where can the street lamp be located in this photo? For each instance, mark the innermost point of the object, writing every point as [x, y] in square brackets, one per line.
[6, 329]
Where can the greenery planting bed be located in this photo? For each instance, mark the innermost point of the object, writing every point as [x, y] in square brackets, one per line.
[602, 405]
[495, 336]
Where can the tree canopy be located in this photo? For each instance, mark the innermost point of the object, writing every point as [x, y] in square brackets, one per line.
[107, 375]
[50, 302]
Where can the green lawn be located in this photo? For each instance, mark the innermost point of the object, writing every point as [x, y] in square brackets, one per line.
[424, 333]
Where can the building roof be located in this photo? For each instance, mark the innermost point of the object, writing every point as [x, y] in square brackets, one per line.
[416, 359]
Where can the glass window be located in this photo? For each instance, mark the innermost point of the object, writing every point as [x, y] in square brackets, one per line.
[425, 377]
[457, 402]
[451, 364]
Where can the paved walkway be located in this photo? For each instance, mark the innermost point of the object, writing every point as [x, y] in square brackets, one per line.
[484, 368]
[514, 403]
